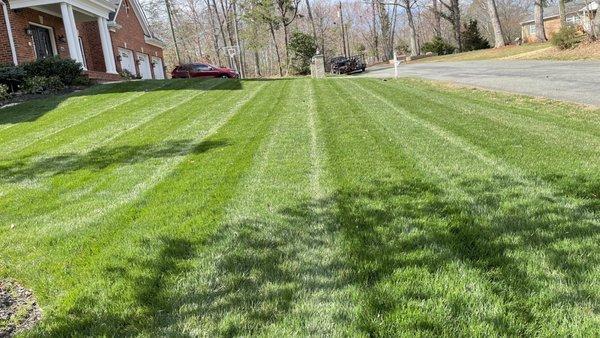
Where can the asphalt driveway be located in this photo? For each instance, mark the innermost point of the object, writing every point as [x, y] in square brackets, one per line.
[577, 81]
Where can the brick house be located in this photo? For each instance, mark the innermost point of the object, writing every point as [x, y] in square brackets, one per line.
[576, 15]
[105, 36]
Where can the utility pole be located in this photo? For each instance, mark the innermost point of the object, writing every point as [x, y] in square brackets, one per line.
[343, 31]
[173, 31]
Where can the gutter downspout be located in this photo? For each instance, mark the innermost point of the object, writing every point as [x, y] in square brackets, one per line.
[9, 31]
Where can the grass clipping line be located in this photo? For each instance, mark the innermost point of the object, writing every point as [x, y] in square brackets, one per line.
[19, 310]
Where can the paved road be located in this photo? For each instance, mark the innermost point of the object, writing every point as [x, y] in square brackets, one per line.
[577, 81]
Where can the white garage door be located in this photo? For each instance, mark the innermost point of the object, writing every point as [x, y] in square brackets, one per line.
[127, 61]
[145, 70]
[159, 71]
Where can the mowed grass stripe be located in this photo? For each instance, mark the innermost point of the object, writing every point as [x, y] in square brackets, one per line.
[87, 103]
[105, 128]
[69, 213]
[142, 276]
[379, 193]
[501, 127]
[47, 130]
[21, 118]
[267, 267]
[561, 168]
[491, 226]
[312, 208]
[28, 172]
[566, 115]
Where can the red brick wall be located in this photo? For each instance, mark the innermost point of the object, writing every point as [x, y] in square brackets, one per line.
[5, 53]
[90, 35]
[551, 26]
[20, 19]
[131, 35]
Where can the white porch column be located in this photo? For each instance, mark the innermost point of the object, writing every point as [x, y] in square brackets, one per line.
[107, 49]
[76, 37]
[70, 31]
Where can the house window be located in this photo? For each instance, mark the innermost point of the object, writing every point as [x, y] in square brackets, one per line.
[573, 19]
[82, 53]
[532, 29]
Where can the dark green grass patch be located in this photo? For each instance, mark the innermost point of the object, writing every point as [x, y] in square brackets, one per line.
[302, 207]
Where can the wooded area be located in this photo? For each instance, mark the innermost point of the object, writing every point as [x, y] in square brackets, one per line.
[265, 32]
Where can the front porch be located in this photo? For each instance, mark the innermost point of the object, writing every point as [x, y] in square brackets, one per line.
[77, 29]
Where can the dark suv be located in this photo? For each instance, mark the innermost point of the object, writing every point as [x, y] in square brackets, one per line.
[202, 70]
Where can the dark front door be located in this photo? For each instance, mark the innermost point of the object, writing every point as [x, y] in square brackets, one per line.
[43, 44]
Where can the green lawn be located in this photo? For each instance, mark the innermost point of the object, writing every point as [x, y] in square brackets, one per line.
[302, 207]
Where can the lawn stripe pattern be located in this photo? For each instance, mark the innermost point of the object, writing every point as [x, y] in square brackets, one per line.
[303, 207]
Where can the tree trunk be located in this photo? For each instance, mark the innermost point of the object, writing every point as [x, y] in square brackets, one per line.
[220, 23]
[538, 15]
[276, 49]
[456, 24]
[312, 21]
[437, 19]
[287, 50]
[561, 13]
[454, 18]
[257, 64]
[385, 30]
[394, 21]
[498, 36]
[414, 46]
[215, 33]
[240, 55]
[375, 34]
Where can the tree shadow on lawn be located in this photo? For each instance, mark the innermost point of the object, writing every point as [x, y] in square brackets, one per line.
[258, 268]
[504, 223]
[388, 227]
[147, 284]
[31, 110]
[100, 158]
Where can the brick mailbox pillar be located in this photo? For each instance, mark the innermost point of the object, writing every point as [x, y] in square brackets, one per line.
[317, 66]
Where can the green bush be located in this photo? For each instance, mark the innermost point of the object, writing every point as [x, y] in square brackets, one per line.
[439, 46]
[566, 38]
[402, 47]
[41, 84]
[303, 47]
[4, 94]
[67, 70]
[35, 84]
[12, 77]
[126, 74]
[471, 37]
[54, 84]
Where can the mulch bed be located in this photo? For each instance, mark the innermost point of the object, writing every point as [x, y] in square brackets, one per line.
[19, 310]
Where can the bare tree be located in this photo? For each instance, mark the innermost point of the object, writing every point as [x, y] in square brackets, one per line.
[437, 19]
[384, 20]
[414, 43]
[287, 11]
[561, 13]
[312, 20]
[493, 12]
[453, 16]
[538, 15]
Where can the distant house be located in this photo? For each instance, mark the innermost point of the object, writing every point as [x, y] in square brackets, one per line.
[577, 14]
[105, 36]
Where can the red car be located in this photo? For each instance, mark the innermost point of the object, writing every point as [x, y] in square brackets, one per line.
[202, 70]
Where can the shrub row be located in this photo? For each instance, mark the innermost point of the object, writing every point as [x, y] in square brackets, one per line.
[41, 76]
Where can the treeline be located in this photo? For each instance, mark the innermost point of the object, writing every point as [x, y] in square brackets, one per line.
[262, 31]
